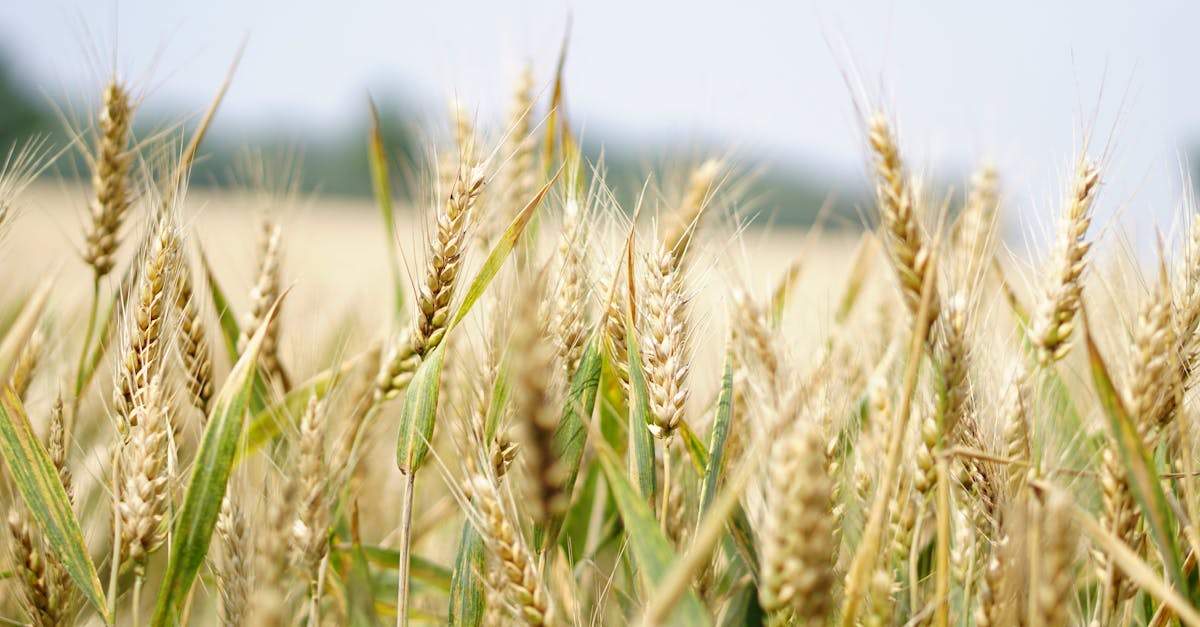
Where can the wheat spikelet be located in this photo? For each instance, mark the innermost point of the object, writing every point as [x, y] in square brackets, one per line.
[310, 531]
[26, 366]
[797, 566]
[1057, 580]
[269, 606]
[110, 179]
[194, 349]
[533, 398]
[677, 230]
[1054, 319]
[522, 586]
[896, 202]
[663, 343]
[143, 347]
[752, 329]
[396, 371]
[234, 566]
[262, 296]
[517, 178]
[1120, 516]
[144, 484]
[569, 317]
[30, 561]
[436, 293]
[990, 606]
[445, 254]
[879, 607]
[1016, 417]
[953, 351]
[975, 229]
[21, 167]
[1187, 300]
[1153, 370]
[614, 325]
[56, 446]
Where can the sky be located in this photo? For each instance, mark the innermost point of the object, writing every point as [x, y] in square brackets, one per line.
[1022, 83]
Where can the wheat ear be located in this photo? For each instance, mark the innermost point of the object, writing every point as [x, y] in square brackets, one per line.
[110, 179]
[797, 549]
[896, 202]
[194, 349]
[522, 585]
[1054, 320]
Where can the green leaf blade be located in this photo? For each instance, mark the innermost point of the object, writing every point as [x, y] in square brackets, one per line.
[651, 549]
[1143, 479]
[37, 480]
[210, 477]
[718, 436]
[641, 443]
[419, 414]
[467, 604]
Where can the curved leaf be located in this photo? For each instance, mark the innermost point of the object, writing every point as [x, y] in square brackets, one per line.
[210, 477]
[718, 435]
[570, 437]
[419, 413]
[37, 481]
[466, 589]
[1140, 473]
[641, 444]
[651, 549]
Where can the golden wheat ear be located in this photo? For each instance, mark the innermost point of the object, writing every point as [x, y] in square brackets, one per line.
[111, 164]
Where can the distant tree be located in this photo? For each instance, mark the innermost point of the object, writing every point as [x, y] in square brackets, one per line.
[21, 114]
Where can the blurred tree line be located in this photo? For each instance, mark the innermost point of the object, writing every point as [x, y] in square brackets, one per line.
[337, 165]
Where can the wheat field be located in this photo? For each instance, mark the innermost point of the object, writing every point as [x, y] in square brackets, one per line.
[506, 399]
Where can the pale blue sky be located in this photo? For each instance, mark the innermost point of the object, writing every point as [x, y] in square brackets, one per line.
[1017, 81]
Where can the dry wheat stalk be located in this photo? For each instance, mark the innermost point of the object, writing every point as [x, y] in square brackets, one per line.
[110, 179]
[1054, 319]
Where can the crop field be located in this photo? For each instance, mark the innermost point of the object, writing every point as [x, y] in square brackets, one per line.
[492, 395]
